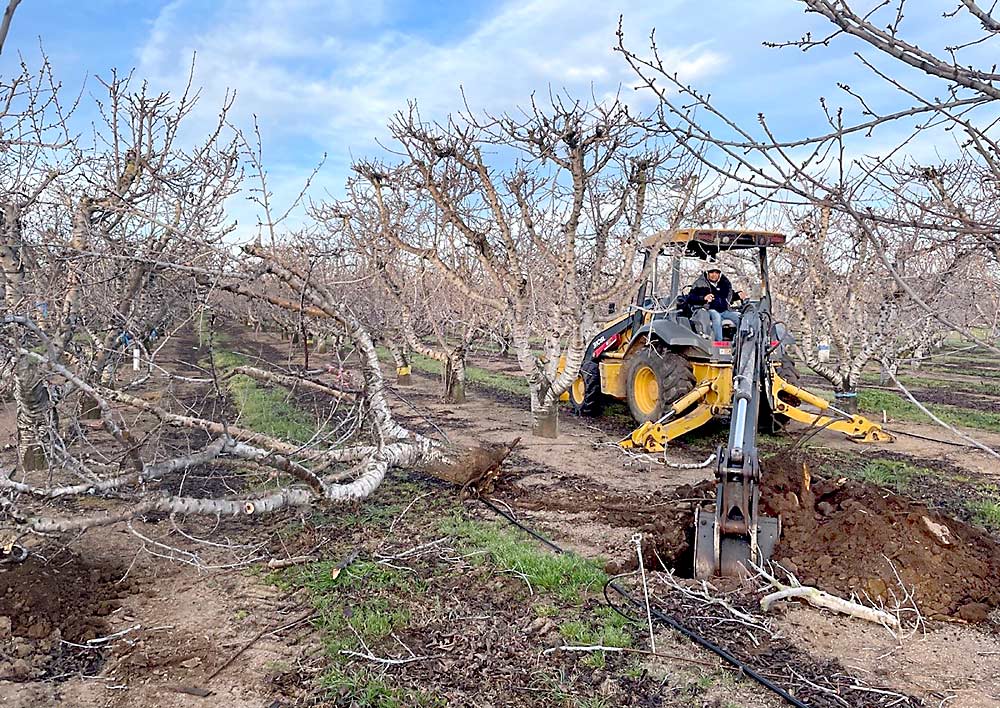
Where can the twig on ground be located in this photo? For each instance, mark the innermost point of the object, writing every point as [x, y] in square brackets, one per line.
[270, 630]
[629, 650]
[389, 662]
[278, 563]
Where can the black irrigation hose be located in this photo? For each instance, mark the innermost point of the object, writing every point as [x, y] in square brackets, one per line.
[934, 440]
[661, 616]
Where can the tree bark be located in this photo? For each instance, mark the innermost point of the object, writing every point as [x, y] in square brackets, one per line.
[545, 419]
[846, 398]
[402, 361]
[453, 378]
[32, 402]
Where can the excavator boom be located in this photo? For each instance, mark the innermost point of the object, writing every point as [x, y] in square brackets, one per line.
[735, 535]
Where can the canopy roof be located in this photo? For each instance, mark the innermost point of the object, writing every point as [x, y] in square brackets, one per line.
[702, 243]
[708, 242]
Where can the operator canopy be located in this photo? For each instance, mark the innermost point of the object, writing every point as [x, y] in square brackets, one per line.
[704, 243]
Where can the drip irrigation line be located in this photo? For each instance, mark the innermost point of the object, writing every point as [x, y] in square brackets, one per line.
[658, 615]
[934, 440]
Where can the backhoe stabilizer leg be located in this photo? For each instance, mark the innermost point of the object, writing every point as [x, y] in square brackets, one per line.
[652, 436]
[858, 428]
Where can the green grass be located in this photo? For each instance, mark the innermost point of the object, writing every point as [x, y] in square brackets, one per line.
[985, 512]
[266, 409]
[917, 382]
[894, 474]
[545, 610]
[567, 576]
[901, 409]
[608, 628]
[473, 374]
[361, 603]
[368, 690]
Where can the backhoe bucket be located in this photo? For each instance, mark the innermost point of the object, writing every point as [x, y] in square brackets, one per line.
[729, 555]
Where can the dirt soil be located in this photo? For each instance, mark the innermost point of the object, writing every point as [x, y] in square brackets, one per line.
[50, 609]
[852, 538]
[581, 491]
[848, 536]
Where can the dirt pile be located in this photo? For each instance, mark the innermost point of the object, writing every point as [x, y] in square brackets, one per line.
[44, 606]
[845, 536]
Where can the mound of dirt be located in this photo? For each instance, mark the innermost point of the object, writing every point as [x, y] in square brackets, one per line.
[44, 606]
[847, 536]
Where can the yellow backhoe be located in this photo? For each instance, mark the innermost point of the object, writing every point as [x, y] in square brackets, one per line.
[662, 359]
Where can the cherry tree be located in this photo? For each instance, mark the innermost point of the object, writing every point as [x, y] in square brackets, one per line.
[553, 232]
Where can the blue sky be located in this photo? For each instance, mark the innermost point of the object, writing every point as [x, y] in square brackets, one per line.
[324, 76]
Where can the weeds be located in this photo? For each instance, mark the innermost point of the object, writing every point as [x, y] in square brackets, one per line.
[901, 409]
[608, 629]
[891, 473]
[985, 512]
[567, 576]
[357, 607]
[473, 374]
[267, 410]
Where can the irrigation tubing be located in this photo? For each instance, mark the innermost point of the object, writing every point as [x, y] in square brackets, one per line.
[934, 440]
[661, 616]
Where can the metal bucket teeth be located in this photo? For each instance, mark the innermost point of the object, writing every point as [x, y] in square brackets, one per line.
[730, 556]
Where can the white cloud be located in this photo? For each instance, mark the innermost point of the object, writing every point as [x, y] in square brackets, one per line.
[337, 77]
[327, 77]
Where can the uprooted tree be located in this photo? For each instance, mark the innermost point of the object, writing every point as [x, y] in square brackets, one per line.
[111, 252]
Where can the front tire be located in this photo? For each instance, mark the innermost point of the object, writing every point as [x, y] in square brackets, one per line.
[585, 393]
[654, 380]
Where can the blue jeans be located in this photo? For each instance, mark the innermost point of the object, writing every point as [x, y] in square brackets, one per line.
[717, 318]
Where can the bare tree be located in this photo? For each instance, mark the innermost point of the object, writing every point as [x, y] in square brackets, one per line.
[956, 200]
[116, 245]
[425, 308]
[553, 237]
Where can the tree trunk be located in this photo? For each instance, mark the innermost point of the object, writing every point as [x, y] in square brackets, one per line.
[545, 420]
[32, 402]
[453, 375]
[506, 344]
[846, 398]
[402, 361]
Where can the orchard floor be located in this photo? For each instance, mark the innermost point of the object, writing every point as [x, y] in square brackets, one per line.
[197, 633]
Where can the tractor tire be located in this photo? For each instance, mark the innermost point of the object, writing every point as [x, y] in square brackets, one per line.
[585, 394]
[654, 380]
[771, 422]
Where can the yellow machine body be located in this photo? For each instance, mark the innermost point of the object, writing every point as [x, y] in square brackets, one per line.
[712, 396]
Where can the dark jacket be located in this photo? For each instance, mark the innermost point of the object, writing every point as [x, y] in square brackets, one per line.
[723, 291]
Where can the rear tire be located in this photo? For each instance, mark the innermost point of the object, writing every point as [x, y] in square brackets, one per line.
[654, 380]
[585, 393]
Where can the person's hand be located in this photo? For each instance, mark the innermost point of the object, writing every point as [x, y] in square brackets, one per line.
[709, 297]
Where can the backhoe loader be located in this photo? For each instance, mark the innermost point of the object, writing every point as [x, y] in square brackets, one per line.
[661, 358]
